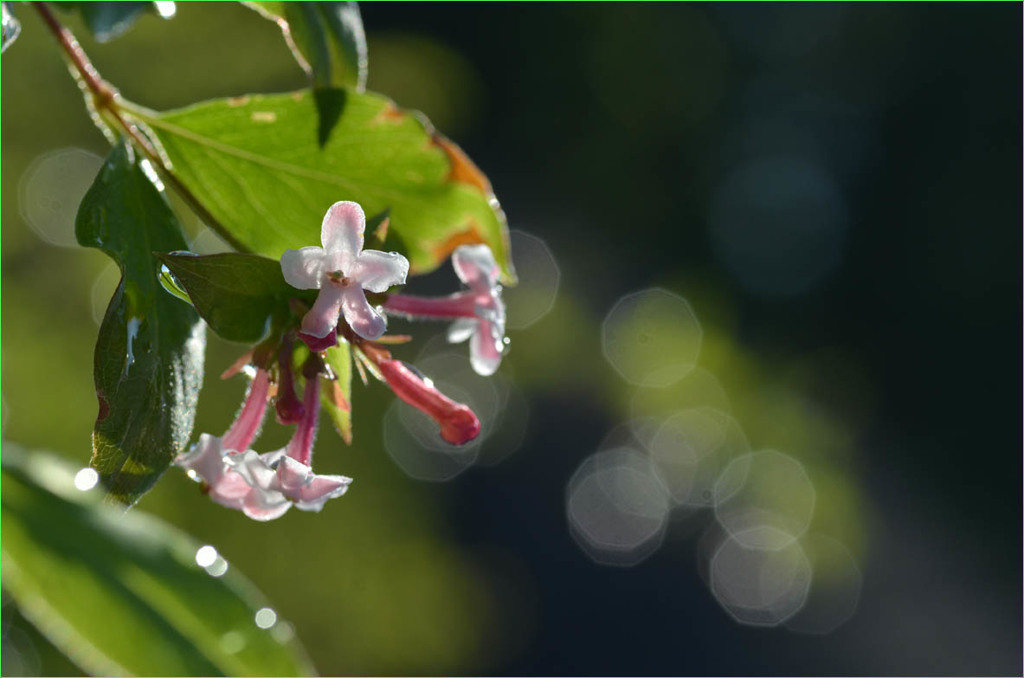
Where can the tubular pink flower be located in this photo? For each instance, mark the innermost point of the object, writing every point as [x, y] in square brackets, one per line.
[300, 447]
[478, 313]
[247, 424]
[263, 486]
[458, 423]
[342, 271]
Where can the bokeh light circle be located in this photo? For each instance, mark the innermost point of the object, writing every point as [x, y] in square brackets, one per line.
[51, 190]
[764, 489]
[761, 586]
[690, 450]
[539, 279]
[652, 337]
[617, 510]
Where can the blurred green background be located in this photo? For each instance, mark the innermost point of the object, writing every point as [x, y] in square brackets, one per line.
[832, 188]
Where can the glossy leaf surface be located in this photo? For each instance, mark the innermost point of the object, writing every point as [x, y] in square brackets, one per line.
[122, 593]
[240, 296]
[148, 362]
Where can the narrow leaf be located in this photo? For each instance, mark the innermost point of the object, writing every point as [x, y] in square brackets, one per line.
[122, 594]
[240, 296]
[149, 352]
[336, 396]
[254, 165]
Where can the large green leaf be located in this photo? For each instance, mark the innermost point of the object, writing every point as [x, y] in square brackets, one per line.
[240, 296]
[149, 353]
[108, 20]
[122, 594]
[328, 41]
[254, 165]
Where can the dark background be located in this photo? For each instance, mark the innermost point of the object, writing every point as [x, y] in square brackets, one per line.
[610, 131]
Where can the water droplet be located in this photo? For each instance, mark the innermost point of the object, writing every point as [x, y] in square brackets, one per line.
[206, 556]
[218, 568]
[86, 479]
[265, 618]
[165, 8]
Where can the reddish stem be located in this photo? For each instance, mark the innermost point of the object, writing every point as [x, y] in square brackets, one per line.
[288, 406]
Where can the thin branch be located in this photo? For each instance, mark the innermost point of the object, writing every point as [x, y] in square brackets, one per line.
[106, 100]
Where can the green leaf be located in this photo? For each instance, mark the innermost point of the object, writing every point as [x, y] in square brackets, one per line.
[240, 296]
[336, 396]
[108, 20]
[253, 165]
[121, 594]
[149, 353]
[328, 41]
[11, 26]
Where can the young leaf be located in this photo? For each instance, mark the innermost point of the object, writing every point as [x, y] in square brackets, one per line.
[121, 594]
[149, 352]
[240, 296]
[254, 166]
[336, 396]
[108, 20]
[11, 26]
[328, 41]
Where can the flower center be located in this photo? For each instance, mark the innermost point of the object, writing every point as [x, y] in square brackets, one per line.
[338, 278]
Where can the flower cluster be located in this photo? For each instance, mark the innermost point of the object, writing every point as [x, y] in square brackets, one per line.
[265, 486]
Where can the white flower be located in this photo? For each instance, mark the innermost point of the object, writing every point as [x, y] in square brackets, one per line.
[263, 486]
[342, 270]
[276, 481]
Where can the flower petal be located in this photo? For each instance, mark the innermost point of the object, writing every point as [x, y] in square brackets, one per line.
[308, 490]
[486, 348]
[461, 329]
[376, 271]
[254, 469]
[342, 234]
[265, 505]
[231, 490]
[323, 317]
[321, 488]
[360, 316]
[475, 266]
[304, 269]
[205, 460]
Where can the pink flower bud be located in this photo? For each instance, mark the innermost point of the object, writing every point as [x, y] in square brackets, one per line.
[458, 423]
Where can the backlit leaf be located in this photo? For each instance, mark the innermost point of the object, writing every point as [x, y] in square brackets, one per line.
[122, 594]
[254, 165]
